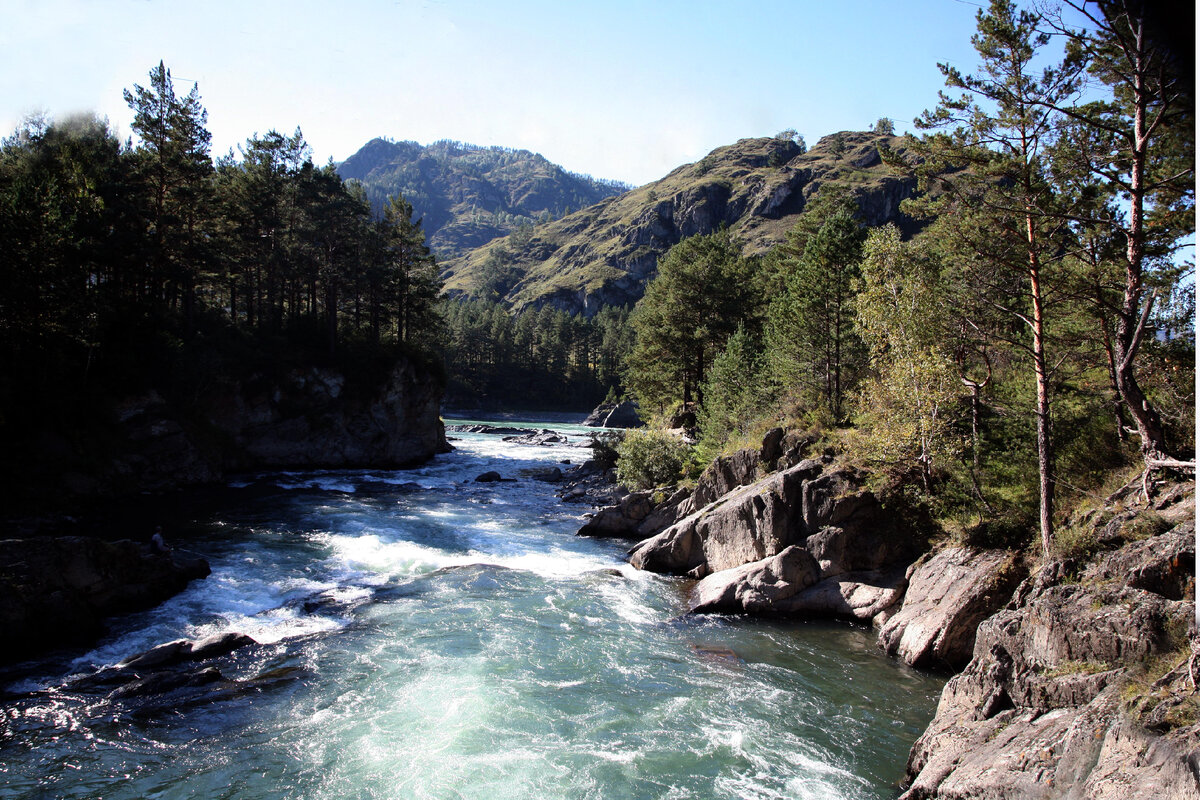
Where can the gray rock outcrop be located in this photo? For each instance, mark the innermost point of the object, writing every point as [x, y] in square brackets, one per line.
[845, 529]
[1040, 710]
[745, 525]
[615, 415]
[621, 521]
[58, 591]
[950, 592]
[757, 588]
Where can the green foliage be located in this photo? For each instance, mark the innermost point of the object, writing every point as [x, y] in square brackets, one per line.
[605, 446]
[650, 458]
[532, 359]
[810, 335]
[734, 395]
[702, 292]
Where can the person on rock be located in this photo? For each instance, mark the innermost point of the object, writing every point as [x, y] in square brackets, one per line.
[157, 544]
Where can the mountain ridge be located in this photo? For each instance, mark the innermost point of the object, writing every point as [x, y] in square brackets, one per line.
[606, 253]
[466, 195]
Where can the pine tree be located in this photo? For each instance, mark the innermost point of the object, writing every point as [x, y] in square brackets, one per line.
[174, 164]
[414, 280]
[811, 339]
[702, 291]
[1000, 209]
[1137, 151]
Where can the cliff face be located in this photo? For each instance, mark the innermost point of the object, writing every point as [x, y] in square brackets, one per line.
[1080, 687]
[309, 417]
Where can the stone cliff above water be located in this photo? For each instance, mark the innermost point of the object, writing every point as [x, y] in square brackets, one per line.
[303, 417]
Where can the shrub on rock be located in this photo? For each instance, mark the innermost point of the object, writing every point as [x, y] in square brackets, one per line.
[648, 458]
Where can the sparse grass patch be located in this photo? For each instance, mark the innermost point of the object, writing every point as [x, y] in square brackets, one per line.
[1076, 542]
[1077, 668]
[1144, 526]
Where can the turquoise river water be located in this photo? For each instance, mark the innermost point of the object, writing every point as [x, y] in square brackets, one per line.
[426, 636]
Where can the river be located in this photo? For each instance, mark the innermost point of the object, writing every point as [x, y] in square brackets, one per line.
[426, 636]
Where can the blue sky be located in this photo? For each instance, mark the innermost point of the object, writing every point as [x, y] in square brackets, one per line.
[617, 89]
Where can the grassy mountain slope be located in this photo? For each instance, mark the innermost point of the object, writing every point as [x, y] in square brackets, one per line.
[605, 254]
[468, 195]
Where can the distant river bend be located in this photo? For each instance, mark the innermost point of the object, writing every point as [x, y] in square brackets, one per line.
[453, 639]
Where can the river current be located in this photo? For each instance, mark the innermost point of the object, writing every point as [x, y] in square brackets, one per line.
[426, 636]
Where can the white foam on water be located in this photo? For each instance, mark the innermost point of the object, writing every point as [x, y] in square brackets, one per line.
[370, 555]
[268, 627]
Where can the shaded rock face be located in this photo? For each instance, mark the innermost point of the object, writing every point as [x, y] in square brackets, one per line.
[311, 420]
[57, 591]
[724, 475]
[949, 594]
[308, 418]
[1038, 711]
[623, 520]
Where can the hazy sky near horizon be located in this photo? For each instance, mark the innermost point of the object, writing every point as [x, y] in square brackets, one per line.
[618, 89]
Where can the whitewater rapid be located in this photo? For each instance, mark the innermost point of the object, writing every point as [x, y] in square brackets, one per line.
[444, 638]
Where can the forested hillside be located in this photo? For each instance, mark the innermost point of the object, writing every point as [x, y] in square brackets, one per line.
[1036, 334]
[466, 195]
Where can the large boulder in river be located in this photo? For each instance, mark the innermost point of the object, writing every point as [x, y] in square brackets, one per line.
[867, 596]
[846, 528]
[622, 520]
[756, 588]
[615, 415]
[748, 524]
[949, 594]
[58, 591]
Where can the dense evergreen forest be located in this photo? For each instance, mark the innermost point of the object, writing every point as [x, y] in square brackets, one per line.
[1038, 333]
[148, 266]
[535, 359]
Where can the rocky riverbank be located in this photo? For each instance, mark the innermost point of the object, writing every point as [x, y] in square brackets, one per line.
[1074, 678]
[58, 591]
